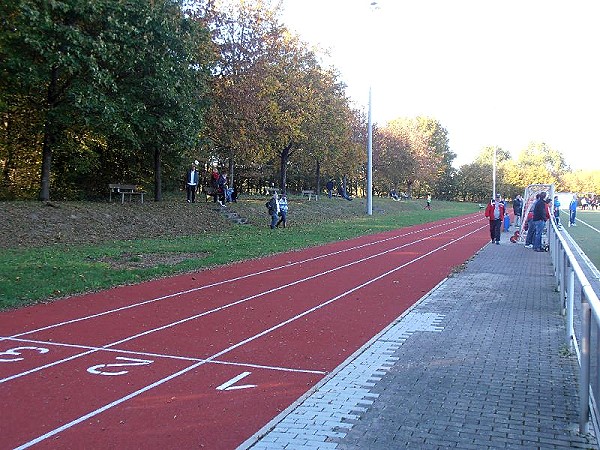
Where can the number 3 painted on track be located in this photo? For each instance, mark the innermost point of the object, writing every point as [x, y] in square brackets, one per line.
[17, 352]
[95, 370]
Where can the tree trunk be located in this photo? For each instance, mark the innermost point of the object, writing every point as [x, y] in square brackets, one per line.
[49, 136]
[230, 181]
[157, 176]
[318, 177]
[285, 157]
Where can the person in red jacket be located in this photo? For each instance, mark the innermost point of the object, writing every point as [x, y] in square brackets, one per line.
[495, 212]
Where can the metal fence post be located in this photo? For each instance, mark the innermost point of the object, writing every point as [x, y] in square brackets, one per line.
[584, 386]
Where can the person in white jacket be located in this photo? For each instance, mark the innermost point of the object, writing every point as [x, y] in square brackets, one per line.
[283, 209]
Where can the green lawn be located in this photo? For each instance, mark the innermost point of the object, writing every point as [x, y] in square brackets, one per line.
[587, 238]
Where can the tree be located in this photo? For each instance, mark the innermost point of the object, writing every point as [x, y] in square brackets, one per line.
[425, 151]
[474, 182]
[103, 74]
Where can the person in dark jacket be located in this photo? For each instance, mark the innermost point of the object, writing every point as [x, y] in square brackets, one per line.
[191, 183]
[518, 210]
[541, 214]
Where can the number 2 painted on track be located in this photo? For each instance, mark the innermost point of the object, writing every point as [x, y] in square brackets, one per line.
[17, 352]
[127, 362]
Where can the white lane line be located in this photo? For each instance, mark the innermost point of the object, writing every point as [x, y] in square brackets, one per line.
[588, 225]
[590, 265]
[233, 347]
[229, 305]
[165, 356]
[230, 280]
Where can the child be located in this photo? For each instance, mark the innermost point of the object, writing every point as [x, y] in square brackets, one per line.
[557, 211]
[506, 222]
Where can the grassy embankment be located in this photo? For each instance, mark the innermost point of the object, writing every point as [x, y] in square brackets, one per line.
[31, 275]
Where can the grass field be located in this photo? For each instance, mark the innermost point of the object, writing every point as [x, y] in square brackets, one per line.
[56, 270]
[587, 238]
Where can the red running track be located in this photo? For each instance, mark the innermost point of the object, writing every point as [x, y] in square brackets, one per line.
[206, 359]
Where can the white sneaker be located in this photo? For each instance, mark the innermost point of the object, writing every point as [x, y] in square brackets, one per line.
[529, 246]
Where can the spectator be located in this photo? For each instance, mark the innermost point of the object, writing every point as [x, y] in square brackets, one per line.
[518, 209]
[191, 185]
[214, 184]
[530, 230]
[495, 213]
[573, 210]
[428, 204]
[283, 209]
[329, 187]
[221, 188]
[342, 192]
[540, 216]
[506, 218]
[273, 207]
[556, 211]
[394, 195]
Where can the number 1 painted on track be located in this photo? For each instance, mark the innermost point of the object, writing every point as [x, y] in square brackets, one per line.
[229, 385]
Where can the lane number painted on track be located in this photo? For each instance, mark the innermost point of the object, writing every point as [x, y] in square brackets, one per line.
[16, 353]
[229, 385]
[104, 369]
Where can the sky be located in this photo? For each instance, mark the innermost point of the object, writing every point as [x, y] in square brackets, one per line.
[503, 73]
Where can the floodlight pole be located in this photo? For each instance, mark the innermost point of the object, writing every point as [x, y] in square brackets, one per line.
[494, 175]
[370, 160]
[374, 6]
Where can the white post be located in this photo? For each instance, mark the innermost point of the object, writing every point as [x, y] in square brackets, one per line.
[370, 160]
[373, 6]
[494, 175]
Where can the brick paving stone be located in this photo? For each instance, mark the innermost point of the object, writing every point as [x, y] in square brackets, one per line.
[477, 364]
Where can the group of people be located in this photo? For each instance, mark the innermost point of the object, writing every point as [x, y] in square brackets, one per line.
[537, 216]
[590, 202]
[278, 208]
[220, 190]
[341, 190]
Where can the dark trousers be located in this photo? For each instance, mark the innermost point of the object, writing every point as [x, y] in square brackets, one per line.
[191, 192]
[530, 233]
[495, 226]
[282, 218]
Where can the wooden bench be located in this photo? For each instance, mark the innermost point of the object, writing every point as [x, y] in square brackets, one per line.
[309, 193]
[123, 190]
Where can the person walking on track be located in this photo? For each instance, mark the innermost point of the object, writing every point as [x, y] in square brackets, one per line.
[495, 213]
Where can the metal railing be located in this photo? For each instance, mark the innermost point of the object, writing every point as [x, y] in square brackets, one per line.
[572, 283]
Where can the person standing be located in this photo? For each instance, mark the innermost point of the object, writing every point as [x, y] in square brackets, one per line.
[495, 213]
[214, 184]
[191, 185]
[556, 206]
[273, 207]
[573, 210]
[221, 187]
[518, 210]
[540, 216]
[428, 205]
[283, 209]
[329, 187]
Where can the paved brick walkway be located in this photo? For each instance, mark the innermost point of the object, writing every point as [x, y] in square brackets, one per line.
[479, 363]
